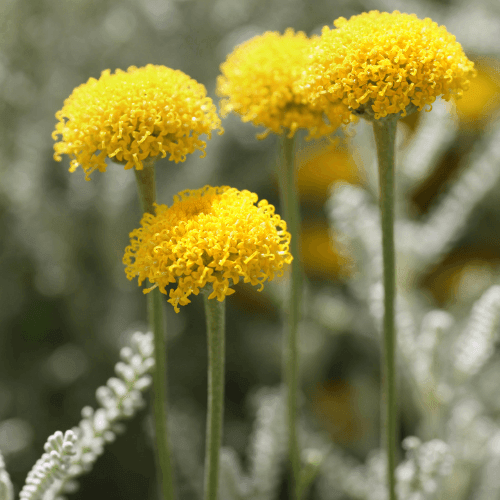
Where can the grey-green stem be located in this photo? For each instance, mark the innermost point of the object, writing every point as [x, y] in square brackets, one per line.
[291, 214]
[147, 195]
[216, 326]
[385, 136]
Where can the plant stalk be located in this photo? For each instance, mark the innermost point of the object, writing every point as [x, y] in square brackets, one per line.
[215, 317]
[385, 135]
[291, 214]
[147, 194]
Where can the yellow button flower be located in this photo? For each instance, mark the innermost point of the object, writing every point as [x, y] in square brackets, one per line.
[133, 115]
[259, 81]
[213, 235]
[381, 63]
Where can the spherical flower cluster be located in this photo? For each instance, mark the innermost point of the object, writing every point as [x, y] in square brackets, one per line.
[213, 235]
[381, 63]
[133, 115]
[259, 81]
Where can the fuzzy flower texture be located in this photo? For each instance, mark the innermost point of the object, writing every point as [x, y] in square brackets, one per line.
[213, 235]
[259, 82]
[381, 63]
[134, 115]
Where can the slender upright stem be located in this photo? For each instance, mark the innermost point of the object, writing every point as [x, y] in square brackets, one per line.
[146, 186]
[385, 135]
[291, 213]
[216, 326]
[147, 195]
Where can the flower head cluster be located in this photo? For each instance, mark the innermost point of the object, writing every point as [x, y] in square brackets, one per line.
[259, 81]
[208, 236]
[381, 63]
[133, 115]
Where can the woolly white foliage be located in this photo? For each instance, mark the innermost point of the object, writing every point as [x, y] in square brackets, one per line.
[422, 356]
[469, 430]
[429, 358]
[433, 137]
[419, 353]
[70, 455]
[233, 483]
[267, 453]
[476, 344]
[187, 448]
[434, 325]
[354, 214]
[339, 473]
[6, 489]
[53, 465]
[418, 477]
[269, 444]
[445, 223]
[489, 484]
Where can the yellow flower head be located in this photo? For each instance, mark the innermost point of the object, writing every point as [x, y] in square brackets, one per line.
[259, 81]
[133, 115]
[209, 235]
[380, 63]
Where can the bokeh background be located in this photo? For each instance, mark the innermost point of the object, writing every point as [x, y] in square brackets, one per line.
[66, 306]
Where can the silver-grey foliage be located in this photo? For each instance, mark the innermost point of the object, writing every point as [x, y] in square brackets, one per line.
[73, 453]
[267, 452]
[6, 489]
[477, 343]
[419, 476]
[443, 355]
[51, 467]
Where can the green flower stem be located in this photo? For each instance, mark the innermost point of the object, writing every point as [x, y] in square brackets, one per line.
[216, 327]
[147, 195]
[146, 186]
[385, 135]
[291, 214]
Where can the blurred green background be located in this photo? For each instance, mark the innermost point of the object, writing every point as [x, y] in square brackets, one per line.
[66, 306]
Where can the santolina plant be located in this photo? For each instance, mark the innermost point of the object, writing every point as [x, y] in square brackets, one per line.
[384, 66]
[206, 241]
[258, 82]
[134, 117]
[377, 66]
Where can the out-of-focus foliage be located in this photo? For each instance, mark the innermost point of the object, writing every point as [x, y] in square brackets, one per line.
[66, 305]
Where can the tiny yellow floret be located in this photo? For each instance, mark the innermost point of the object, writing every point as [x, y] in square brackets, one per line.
[259, 82]
[134, 115]
[210, 236]
[383, 63]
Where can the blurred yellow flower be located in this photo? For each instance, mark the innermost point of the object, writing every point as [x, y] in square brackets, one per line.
[462, 276]
[380, 63]
[208, 236]
[259, 79]
[323, 256]
[335, 403]
[134, 115]
[318, 168]
[483, 97]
